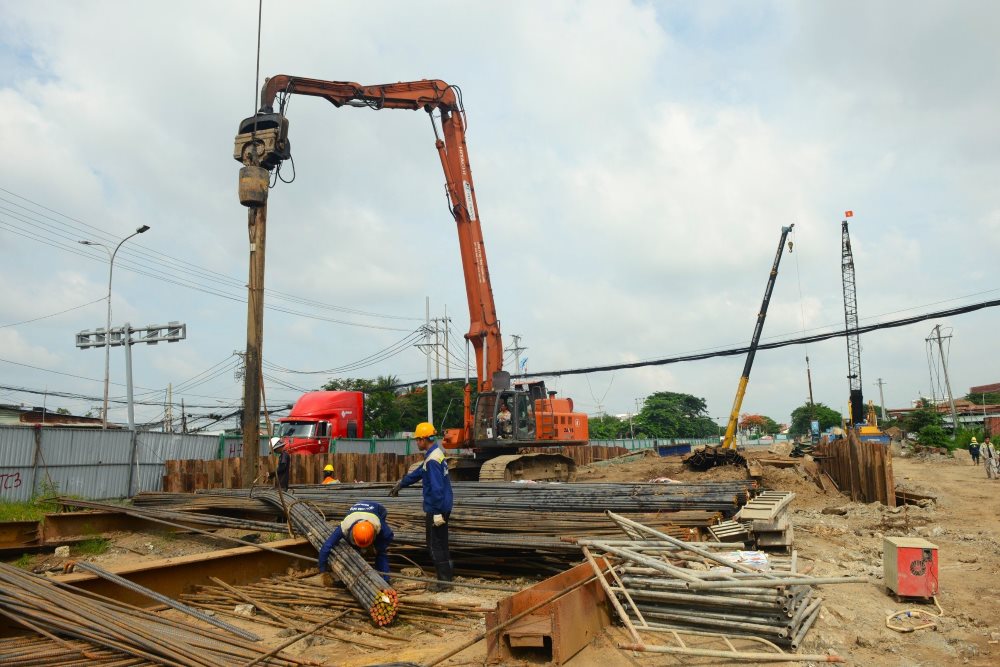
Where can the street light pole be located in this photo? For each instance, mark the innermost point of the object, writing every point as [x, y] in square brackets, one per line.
[107, 329]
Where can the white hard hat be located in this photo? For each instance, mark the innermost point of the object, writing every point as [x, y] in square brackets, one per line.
[277, 443]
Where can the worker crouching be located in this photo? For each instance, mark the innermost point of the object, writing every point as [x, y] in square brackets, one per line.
[437, 496]
[364, 526]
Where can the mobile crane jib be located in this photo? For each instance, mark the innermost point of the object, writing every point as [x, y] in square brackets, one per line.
[726, 454]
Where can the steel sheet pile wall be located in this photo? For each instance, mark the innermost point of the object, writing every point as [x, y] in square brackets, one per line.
[190, 475]
[365, 584]
[185, 476]
[861, 470]
[88, 463]
[666, 584]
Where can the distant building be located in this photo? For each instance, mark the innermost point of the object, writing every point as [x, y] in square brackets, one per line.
[16, 415]
[985, 389]
[970, 415]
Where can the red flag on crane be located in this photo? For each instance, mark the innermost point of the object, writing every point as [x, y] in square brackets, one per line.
[849, 214]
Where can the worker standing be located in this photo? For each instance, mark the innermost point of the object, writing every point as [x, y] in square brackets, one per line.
[974, 451]
[990, 459]
[437, 496]
[284, 463]
[329, 477]
[364, 525]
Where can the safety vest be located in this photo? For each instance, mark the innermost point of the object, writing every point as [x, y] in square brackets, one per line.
[331, 480]
[436, 455]
[354, 517]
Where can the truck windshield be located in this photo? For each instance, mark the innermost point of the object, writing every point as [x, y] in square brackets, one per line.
[297, 429]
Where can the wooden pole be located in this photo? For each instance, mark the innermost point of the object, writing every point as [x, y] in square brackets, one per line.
[257, 224]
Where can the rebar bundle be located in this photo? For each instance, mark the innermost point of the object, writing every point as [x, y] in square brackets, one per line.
[367, 586]
[92, 626]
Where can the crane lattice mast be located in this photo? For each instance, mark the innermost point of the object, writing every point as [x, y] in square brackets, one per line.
[857, 403]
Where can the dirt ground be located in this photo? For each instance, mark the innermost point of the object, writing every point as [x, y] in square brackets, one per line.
[846, 539]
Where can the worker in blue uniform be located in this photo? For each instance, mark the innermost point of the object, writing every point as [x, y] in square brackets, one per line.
[364, 525]
[437, 496]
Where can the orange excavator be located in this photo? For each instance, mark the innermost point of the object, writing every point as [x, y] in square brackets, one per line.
[507, 416]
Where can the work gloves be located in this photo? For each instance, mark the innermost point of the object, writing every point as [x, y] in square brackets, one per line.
[395, 490]
[438, 520]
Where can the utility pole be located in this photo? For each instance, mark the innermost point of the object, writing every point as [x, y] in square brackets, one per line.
[447, 357]
[168, 411]
[437, 350]
[947, 382]
[184, 418]
[427, 342]
[881, 396]
[517, 349]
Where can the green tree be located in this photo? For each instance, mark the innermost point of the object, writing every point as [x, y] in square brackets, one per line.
[989, 398]
[925, 415]
[608, 427]
[803, 415]
[932, 436]
[667, 414]
[759, 424]
[382, 411]
[63, 411]
[448, 401]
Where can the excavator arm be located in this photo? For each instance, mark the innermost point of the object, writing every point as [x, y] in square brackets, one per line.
[430, 96]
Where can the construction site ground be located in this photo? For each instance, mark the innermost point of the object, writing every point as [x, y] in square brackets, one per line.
[833, 535]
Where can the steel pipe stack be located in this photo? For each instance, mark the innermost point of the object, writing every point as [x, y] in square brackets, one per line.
[365, 584]
[673, 585]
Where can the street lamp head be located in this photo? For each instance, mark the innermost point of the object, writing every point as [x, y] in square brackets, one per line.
[140, 230]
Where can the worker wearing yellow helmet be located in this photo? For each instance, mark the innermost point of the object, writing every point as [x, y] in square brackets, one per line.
[365, 525]
[437, 497]
[328, 475]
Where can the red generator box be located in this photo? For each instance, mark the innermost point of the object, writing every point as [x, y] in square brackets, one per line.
[910, 565]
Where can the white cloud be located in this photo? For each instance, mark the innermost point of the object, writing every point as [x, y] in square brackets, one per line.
[634, 165]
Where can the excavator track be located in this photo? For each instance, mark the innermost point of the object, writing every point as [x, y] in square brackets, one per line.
[711, 457]
[538, 467]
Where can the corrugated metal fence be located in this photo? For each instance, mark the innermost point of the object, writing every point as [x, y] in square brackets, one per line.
[90, 463]
[105, 464]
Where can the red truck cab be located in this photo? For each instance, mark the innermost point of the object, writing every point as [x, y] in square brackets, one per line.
[320, 416]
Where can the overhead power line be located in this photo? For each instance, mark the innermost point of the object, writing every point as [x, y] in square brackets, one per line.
[63, 235]
[44, 317]
[892, 324]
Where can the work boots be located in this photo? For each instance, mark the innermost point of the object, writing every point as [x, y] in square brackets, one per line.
[444, 573]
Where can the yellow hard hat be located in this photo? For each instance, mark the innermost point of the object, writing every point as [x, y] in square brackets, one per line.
[328, 468]
[424, 430]
[974, 441]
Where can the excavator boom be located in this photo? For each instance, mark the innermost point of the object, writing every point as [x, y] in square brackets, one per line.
[430, 96]
[531, 416]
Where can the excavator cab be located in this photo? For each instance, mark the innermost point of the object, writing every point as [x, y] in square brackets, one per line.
[504, 418]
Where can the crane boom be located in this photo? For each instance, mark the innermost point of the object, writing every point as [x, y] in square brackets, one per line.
[734, 415]
[430, 96]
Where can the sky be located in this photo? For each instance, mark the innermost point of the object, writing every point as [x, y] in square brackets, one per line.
[634, 163]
